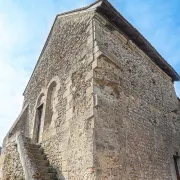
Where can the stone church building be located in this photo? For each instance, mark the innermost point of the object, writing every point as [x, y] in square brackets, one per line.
[100, 105]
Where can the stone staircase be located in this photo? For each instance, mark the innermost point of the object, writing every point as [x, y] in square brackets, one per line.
[37, 156]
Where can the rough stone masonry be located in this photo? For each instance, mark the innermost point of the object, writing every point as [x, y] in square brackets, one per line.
[100, 101]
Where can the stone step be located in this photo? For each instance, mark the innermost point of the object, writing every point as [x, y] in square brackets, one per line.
[48, 176]
[39, 156]
[32, 145]
[27, 139]
[41, 162]
[46, 169]
[43, 169]
[36, 150]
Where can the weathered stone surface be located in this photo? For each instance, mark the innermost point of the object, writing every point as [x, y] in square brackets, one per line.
[108, 111]
[136, 114]
[12, 168]
[65, 56]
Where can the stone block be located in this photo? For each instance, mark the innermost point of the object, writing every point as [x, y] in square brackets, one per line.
[69, 98]
[65, 155]
[94, 64]
[64, 176]
[55, 116]
[68, 84]
[64, 166]
[89, 90]
[89, 75]
[89, 59]
[69, 114]
[66, 93]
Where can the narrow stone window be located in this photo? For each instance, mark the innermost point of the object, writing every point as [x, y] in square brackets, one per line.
[50, 105]
[39, 121]
[38, 118]
[176, 163]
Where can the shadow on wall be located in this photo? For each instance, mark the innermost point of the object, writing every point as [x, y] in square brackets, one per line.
[59, 174]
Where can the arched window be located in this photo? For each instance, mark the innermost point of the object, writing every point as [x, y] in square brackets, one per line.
[40, 100]
[50, 107]
[38, 118]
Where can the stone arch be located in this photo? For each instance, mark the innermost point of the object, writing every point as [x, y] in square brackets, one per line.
[38, 123]
[51, 97]
[40, 99]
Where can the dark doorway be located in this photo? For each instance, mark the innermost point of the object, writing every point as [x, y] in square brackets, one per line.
[38, 122]
[176, 163]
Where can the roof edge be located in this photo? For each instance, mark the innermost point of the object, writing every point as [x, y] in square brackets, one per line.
[133, 34]
[41, 53]
[91, 6]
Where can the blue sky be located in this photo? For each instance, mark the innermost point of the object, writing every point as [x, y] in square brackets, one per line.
[24, 26]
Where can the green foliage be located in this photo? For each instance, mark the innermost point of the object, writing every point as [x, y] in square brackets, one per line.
[55, 178]
[51, 170]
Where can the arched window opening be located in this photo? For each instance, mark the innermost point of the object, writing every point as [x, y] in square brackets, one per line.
[176, 164]
[41, 100]
[50, 107]
[38, 118]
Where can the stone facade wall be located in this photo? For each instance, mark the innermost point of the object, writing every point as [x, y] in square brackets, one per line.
[1, 165]
[136, 125]
[113, 113]
[20, 124]
[12, 168]
[68, 56]
[10, 160]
